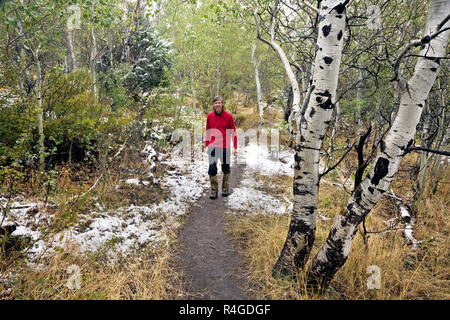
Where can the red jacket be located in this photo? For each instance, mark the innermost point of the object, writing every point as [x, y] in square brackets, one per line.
[219, 129]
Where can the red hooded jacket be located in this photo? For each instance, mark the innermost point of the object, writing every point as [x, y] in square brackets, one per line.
[219, 129]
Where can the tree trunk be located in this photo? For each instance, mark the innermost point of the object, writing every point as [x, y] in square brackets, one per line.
[425, 157]
[135, 16]
[93, 64]
[293, 80]
[40, 109]
[258, 84]
[111, 55]
[438, 168]
[317, 117]
[24, 81]
[357, 113]
[70, 152]
[294, 115]
[288, 107]
[218, 79]
[337, 121]
[377, 124]
[335, 251]
[441, 141]
[73, 59]
[194, 95]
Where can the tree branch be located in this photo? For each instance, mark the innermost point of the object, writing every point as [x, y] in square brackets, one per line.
[418, 148]
[306, 101]
[361, 165]
[337, 164]
[419, 42]
[309, 5]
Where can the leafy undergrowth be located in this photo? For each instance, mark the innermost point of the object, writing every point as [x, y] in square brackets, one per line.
[119, 235]
[406, 273]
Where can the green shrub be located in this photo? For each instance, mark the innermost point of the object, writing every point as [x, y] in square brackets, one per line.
[70, 116]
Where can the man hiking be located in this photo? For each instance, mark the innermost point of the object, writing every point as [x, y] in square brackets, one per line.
[219, 129]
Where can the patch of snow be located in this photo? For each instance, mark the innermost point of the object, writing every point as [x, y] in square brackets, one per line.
[259, 159]
[246, 197]
[254, 201]
[404, 212]
[409, 221]
[125, 229]
[137, 182]
[128, 228]
[187, 182]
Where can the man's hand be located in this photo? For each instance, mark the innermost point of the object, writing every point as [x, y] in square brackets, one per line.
[234, 151]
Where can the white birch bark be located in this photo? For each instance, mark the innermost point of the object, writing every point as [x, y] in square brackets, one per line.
[359, 95]
[295, 113]
[335, 251]
[71, 50]
[425, 157]
[440, 162]
[134, 17]
[218, 78]
[93, 60]
[337, 122]
[443, 136]
[40, 110]
[258, 83]
[111, 55]
[194, 95]
[23, 80]
[314, 124]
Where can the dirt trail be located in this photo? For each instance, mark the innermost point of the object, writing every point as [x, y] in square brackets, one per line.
[206, 255]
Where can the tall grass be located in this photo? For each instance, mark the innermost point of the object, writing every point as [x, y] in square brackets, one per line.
[149, 275]
[406, 273]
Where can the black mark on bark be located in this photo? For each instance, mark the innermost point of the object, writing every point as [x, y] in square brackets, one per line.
[381, 170]
[326, 30]
[328, 60]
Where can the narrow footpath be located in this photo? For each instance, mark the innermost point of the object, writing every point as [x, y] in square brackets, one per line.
[206, 256]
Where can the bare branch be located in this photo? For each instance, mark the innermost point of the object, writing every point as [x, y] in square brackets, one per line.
[361, 165]
[309, 5]
[419, 42]
[338, 163]
[306, 101]
[417, 148]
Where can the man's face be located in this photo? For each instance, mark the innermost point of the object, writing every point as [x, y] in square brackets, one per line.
[218, 106]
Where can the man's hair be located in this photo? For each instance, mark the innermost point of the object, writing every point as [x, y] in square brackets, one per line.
[218, 98]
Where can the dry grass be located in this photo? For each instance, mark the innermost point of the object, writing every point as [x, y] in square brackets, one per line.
[147, 276]
[246, 118]
[276, 185]
[405, 273]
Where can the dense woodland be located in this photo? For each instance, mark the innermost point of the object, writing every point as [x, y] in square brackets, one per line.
[91, 93]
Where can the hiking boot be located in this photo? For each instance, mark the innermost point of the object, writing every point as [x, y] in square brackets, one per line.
[214, 187]
[226, 185]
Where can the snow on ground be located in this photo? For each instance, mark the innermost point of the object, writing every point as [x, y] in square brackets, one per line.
[131, 228]
[121, 230]
[137, 182]
[248, 196]
[259, 159]
[255, 201]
